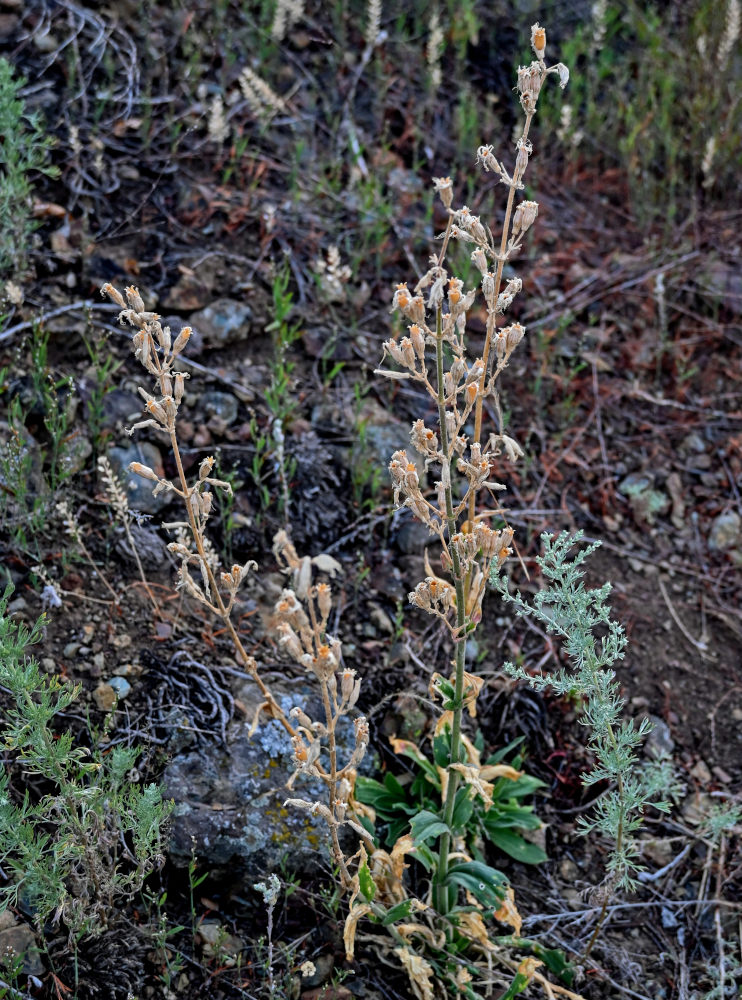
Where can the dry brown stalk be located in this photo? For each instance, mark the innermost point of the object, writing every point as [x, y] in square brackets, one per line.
[301, 617]
[157, 352]
[117, 498]
[437, 314]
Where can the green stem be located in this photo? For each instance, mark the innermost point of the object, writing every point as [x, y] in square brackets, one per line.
[441, 893]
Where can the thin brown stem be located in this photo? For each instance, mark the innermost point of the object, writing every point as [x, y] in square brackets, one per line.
[492, 324]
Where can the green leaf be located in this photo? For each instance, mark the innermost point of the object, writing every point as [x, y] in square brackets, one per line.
[399, 912]
[427, 858]
[486, 884]
[442, 750]
[514, 845]
[427, 826]
[517, 986]
[463, 808]
[366, 883]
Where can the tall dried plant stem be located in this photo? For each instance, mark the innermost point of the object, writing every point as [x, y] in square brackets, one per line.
[492, 317]
[275, 710]
[168, 424]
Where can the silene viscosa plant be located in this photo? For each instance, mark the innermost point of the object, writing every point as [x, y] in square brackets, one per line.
[445, 940]
[454, 921]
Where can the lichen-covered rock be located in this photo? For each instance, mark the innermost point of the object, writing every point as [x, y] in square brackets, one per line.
[229, 801]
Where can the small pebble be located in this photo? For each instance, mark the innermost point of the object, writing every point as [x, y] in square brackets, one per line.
[120, 685]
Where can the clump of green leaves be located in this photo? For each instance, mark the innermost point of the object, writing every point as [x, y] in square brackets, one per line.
[24, 149]
[499, 819]
[594, 643]
[90, 839]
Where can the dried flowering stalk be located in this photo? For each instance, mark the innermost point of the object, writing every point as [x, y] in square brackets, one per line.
[301, 617]
[470, 549]
[156, 350]
[73, 530]
[117, 498]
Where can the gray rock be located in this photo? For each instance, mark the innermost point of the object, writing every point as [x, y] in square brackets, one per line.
[121, 408]
[726, 531]
[225, 321]
[413, 536]
[222, 405]
[120, 685]
[138, 490]
[230, 800]
[659, 743]
[18, 938]
[75, 453]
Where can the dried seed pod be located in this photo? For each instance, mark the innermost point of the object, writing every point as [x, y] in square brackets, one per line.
[144, 471]
[113, 293]
[418, 341]
[205, 468]
[524, 216]
[515, 334]
[479, 260]
[134, 299]
[444, 187]
[324, 600]
[538, 40]
[181, 340]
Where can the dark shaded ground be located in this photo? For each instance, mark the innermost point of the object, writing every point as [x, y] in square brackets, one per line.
[627, 399]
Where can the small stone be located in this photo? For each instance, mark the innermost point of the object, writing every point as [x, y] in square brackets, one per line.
[221, 405]
[659, 743]
[120, 686]
[132, 670]
[70, 650]
[696, 808]
[75, 453]
[202, 438]
[121, 408]
[695, 443]
[105, 697]
[323, 966]
[99, 661]
[568, 870]
[726, 531]
[216, 940]
[17, 606]
[138, 490]
[471, 651]
[724, 776]
[412, 536]
[700, 771]
[224, 322]
[49, 664]
[21, 940]
[121, 641]
[381, 620]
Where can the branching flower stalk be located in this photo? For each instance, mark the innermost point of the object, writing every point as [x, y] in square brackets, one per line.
[158, 352]
[470, 549]
[117, 498]
[301, 617]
